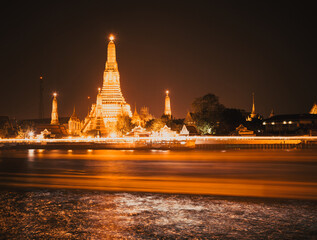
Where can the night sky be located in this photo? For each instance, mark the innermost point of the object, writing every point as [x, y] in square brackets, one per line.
[192, 48]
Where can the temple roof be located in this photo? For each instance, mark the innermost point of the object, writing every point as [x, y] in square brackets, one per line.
[62, 120]
[292, 117]
[74, 115]
[189, 119]
[314, 109]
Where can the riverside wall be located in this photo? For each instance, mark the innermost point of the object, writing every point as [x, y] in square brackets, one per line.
[219, 142]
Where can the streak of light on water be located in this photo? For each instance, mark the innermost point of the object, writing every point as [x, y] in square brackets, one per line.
[279, 173]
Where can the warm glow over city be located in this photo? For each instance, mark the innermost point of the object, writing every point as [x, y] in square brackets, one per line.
[158, 120]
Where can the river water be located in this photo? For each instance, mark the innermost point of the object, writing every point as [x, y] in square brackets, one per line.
[113, 194]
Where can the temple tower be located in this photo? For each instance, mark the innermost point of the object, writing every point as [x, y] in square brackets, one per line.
[113, 102]
[136, 117]
[54, 115]
[253, 114]
[94, 122]
[167, 110]
[74, 124]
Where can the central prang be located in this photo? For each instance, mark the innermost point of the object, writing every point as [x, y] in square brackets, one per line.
[110, 102]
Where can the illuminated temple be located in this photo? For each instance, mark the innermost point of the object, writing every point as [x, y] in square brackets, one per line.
[113, 102]
[110, 101]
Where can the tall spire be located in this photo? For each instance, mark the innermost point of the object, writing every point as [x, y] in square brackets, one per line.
[253, 105]
[111, 64]
[110, 102]
[54, 115]
[135, 111]
[253, 114]
[136, 117]
[74, 113]
[167, 110]
[113, 102]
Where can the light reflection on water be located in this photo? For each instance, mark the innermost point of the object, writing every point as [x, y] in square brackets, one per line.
[61, 214]
[31, 155]
[278, 173]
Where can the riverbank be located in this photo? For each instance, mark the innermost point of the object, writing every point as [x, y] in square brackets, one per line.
[176, 143]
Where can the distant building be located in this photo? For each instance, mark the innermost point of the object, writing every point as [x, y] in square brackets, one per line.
[291, 124]
[54, 114]
[243, 131]
[188, 130]
[53, 130]
[167, 132]
[74, 125]
[136, 120]
[190, 125]
[184, 131]
[142, 118]
[54, 127]
[139, 131]
[189, 119]
[145, 114]
[45, 121]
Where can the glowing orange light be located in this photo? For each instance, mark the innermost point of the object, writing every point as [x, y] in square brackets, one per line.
[54, 94]
[41, 77]
[111, 37]
[167, 92]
